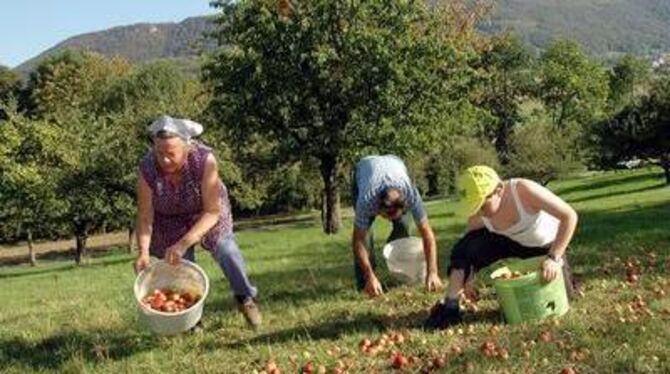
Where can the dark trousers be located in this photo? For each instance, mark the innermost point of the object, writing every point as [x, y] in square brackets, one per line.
[480, 248]
[401, 228]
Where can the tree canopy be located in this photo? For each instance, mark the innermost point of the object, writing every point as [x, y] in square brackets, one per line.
[334, 79]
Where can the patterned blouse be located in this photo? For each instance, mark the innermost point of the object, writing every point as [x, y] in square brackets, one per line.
[177, 208]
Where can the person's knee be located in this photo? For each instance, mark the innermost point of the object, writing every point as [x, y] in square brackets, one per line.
[457, 274]
[227, 249]
[459, 258]
[466, 252]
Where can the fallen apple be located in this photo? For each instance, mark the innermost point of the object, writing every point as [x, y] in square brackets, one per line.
[308, 368]
[439, 362]
[398, 360]
[545, 336]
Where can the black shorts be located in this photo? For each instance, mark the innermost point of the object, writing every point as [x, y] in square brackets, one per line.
[480, 248]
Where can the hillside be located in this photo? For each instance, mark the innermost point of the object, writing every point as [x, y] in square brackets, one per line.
[604, 27]
[140, 42]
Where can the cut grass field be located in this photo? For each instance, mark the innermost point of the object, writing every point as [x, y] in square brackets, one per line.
[62, 318]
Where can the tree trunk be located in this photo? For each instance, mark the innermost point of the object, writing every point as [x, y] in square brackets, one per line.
[131, 239]
[505, 125]
[502, 136]
[80, 248]
[31, 250]
[330, 210]
[665, 164]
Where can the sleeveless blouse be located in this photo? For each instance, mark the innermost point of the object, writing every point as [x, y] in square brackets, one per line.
[537, 230]
[177, 208]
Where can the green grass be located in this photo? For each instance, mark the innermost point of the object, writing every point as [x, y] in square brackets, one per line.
[61, 318]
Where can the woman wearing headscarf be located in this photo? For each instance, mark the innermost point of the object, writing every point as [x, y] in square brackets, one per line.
[182, 201]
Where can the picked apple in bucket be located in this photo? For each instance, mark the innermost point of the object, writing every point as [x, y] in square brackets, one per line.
[510, 275]
[169, 300]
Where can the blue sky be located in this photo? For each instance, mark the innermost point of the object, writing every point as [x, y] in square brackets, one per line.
[28, 27]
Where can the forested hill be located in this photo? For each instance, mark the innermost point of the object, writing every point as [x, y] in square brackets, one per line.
[604, 27]
[601, 26]
[140, 42]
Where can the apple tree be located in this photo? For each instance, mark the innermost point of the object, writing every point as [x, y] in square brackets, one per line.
[328, 80]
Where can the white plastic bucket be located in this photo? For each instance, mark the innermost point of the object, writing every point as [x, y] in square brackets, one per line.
[185, 276]
[405, 260]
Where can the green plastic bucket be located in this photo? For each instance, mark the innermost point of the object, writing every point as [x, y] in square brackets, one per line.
[529, 297]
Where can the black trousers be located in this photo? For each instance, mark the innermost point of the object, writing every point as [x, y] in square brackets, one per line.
[480, 248]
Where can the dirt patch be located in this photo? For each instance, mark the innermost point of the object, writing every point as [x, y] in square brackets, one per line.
[51, 250]
[64, 249]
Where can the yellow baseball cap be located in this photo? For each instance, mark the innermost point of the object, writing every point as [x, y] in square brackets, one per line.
[473, 185]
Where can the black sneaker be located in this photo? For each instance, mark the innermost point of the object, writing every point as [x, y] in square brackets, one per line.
[441, 316]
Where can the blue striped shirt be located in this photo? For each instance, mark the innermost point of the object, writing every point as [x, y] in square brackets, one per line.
[374, 174]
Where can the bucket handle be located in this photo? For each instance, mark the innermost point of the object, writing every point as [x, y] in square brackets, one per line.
[551, 305]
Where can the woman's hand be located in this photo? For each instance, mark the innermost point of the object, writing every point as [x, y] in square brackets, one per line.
[141, 263]
[174, 253]
[550, 269]
[433, 282]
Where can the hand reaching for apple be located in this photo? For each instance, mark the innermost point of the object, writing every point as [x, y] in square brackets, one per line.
[373, 287]
[433, 282]
[141, 263]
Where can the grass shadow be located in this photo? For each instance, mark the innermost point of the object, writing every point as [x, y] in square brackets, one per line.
[256, 223]
[53, 352]
[441, 215]
[610, 181]
[612, 194]
[327, 330]
[297, 286]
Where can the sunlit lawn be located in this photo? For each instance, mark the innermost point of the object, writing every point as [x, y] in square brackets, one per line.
[62, 318]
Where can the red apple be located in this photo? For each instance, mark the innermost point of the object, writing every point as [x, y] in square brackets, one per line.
[545, 336]
[308, 368]
[398, 360]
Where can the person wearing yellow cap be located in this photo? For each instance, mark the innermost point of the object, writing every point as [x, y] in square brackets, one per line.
[506, 218]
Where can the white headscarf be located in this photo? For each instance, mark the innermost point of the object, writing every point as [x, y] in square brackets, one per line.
[183, 128]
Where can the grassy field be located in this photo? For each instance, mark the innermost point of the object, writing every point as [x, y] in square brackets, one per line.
[61, 318]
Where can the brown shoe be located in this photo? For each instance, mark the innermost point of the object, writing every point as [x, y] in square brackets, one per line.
[249, 310]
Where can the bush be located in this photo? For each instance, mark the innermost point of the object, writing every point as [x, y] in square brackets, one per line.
[293, 188]
[437, 172]
[542, 152]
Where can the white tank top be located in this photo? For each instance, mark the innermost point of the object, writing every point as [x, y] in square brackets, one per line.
[537, 230]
